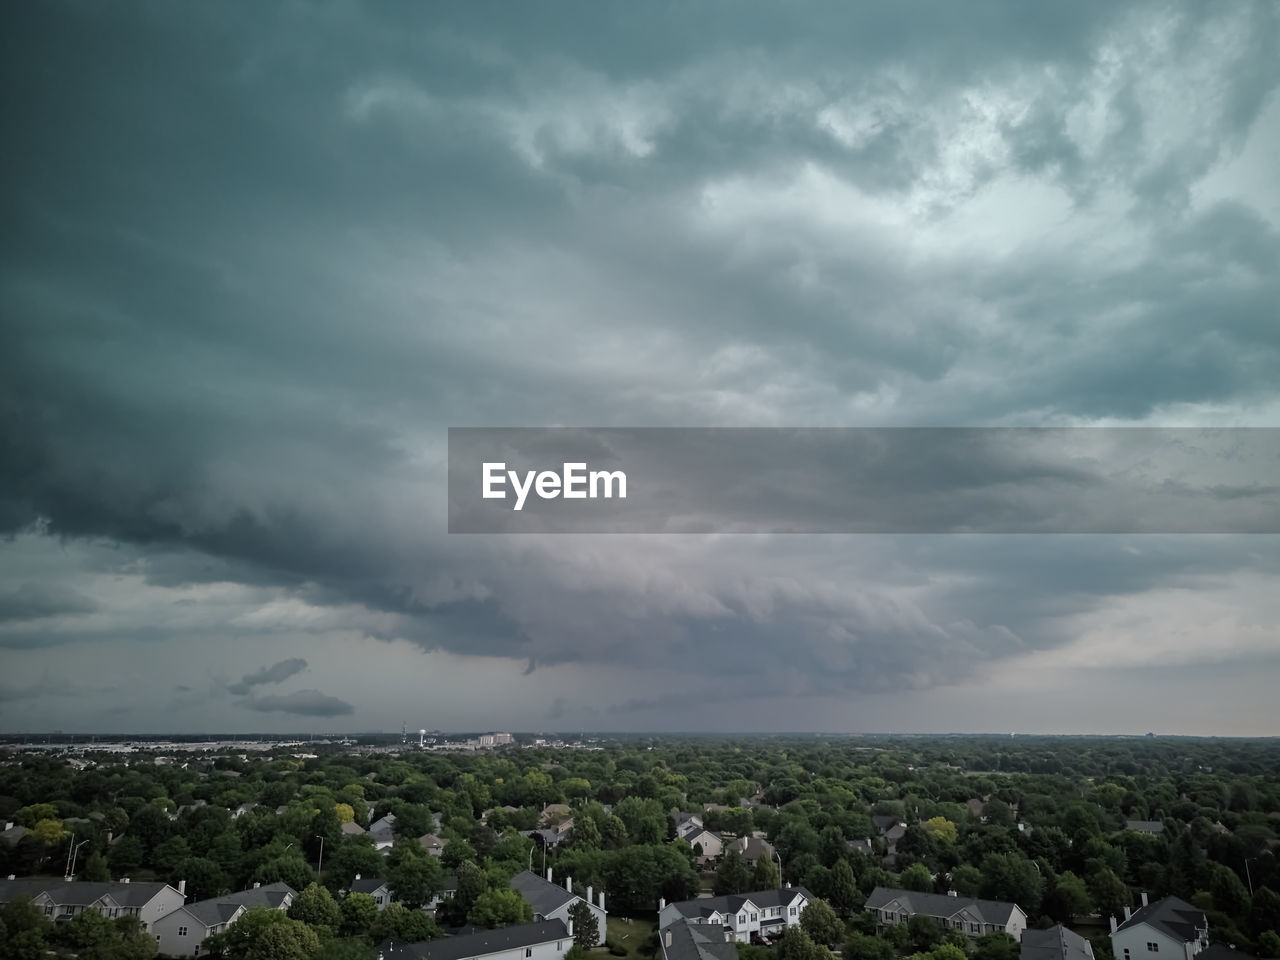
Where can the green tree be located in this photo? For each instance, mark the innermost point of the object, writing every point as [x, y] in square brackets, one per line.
[917, 877]
[499, 908]
[733, 875]
[821, 923]
[316, 907]
[1109, 892]
[95, 868]
[395, 922]
[416, 881]
[265, 934]
[359, 913]
[586, 932]
[996, 946]
[456, 852]
[843, 889]
[862, 946]
[942, 828]
[924, 932]
[765, 875]
[1069, 898]
[644, 818]
[966, 880]
[796, 944]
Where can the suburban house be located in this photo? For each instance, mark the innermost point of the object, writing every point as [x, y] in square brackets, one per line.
[891, 830]
[551, 836]
[971, 917]
[544, 940]
[1151, 827]
[1170, 927]
[241, 810]
[447, 890]
[63, 899]
[712, 843]
[685, 940]
[765, 912]
[753, 848]
[432, 844]
[864, 847]
[382, 831]
[13, 832]
[550, 901]
[553, 813]
[181, 932]
[375, 887]
[352, 829]
[1056, 943]
[686, 823]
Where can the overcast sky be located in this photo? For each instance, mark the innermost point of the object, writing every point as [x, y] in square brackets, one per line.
[258, 257]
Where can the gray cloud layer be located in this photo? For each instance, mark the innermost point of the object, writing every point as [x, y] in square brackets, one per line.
[255, 262]
[276, 673]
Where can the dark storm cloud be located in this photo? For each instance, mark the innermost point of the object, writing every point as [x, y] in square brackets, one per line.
[256, 261]
[276, 673]
[33, 601]
[302, 703]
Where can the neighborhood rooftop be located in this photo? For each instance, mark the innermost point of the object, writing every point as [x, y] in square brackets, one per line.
[1056, 943]
[733, 902]
[1177, 918]
[683, 940]
[81, 892]
[541, 894]
[477, 944]
[941, 904]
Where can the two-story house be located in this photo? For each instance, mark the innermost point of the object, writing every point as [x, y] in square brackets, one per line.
[550, 901]
[542, 940]
[1169, 929]
[685, 940]
[686, 822]
[972, 917]
[64, 899]
[375, 887]
[766, 912]
[706, 843]
[182, 932]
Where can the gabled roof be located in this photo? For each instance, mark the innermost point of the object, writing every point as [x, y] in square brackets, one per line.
[1056, 943]
[942, 905]
[267, 895]
[1171, 916]
[81, 893]
[695, 835]
[544, 896]
[884, 824]
[1144, 826]
[211, 912]
[695, 941]
[477, 944]
[353, 829]
[367, 884]
[733, 902]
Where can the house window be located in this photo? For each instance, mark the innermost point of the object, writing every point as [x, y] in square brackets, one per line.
[793, 911]
[377, 900]
[528, 951]
[742, 918]
[753, 916]
[975, 928]
[182, 931]
[48, 909]
[1126, 953]
[559, 946]
[1153, 947]
[902, 918]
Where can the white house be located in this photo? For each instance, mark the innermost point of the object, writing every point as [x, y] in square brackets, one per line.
[544, 940]
[119, 898]
[550, 901]
[974, 918]
[375, 887]
[182, 932]
[767, 912]
[686, 823]
[1169, 928]
[712, 843]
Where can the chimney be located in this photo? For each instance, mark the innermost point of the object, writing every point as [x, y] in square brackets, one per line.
[110, 834]
[182, 887]
[590, 895]
[788, 884]
[668, 938]
[13, 876]
[951, 893]
[357, 876]
[662, 903]
[124, 879]
[568, 884]
[8, 825]
[256, 884]
[1126, 914]
[570, 923]
[602, 900]
[549, 880]
[1144, 898]
[1114, 925]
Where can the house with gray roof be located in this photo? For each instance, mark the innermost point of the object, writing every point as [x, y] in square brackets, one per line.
[1152, 827]
[686, 822]
[685, 940]
[766, 912]
[182, 932]
[1056, 943]
[1170, 927]
[541, 940]
[375, 887]
[551, 901]
[972, 917]
[63, 899]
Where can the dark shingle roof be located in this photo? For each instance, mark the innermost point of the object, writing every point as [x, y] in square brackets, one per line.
[477, 944]
[693, 941]
[267, 895]
[1056, 943]
[731, 903]
[941, 904]
[212, 912]
[1144, 826]
[366, 884]
[1171, 916]
[81, 892]
[544, 896]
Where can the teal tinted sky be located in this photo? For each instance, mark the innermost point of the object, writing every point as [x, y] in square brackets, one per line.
[257, 258]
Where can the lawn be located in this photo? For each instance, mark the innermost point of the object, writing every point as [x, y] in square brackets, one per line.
[630, 933]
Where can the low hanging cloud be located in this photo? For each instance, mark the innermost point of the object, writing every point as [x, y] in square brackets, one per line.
[276, 673]
[302, 703]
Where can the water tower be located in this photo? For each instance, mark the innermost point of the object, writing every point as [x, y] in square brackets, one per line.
[422, 739]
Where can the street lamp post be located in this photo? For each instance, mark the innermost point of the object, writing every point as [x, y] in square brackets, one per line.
[75, 853]
[1249, 874]
[777, 856]
[320, 862]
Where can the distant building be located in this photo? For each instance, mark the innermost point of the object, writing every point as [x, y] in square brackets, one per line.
[64, 899]
[1152, 827]
[973, 918]
[765, 912]
[545, 940]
